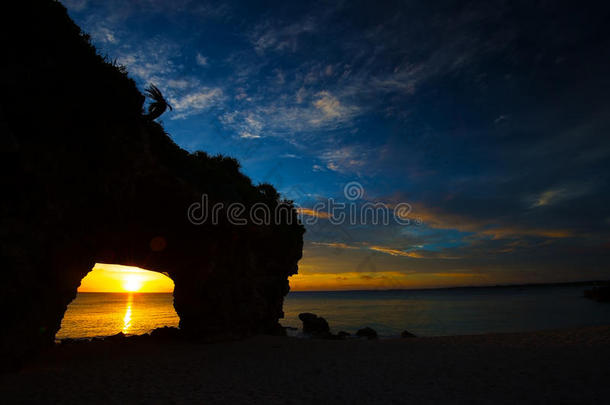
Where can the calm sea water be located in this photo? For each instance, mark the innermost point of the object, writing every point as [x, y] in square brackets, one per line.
[423, 312]
[105, 314]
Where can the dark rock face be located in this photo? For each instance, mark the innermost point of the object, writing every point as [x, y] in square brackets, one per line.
[314, 325]
[87, 178]
[367, 332]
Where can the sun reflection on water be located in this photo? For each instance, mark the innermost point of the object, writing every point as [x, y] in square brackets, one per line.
[127, 317]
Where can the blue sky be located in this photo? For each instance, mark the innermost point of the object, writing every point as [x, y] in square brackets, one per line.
[490, 120]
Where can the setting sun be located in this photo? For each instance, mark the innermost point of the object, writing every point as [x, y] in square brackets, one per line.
[132, 283]
[117, 278]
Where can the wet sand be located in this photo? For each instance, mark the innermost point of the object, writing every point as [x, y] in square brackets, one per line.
[565, 366]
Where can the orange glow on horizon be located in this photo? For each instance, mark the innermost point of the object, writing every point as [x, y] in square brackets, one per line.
[382, 280]
[118, 278]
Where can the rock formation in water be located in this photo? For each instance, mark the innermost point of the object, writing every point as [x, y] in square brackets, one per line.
[405, 334]
[87, 178]
[314, 325]
[599, 293]
[367, 332]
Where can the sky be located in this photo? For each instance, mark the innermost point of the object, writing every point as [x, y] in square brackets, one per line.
[117, 278]
[489, 120]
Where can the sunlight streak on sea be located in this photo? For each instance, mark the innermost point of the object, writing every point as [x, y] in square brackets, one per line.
[105, 314]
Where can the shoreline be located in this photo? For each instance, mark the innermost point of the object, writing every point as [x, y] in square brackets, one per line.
[297, 333]
[544, 366]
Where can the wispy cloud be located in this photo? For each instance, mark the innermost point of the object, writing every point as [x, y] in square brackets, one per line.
[181, 84]
[331, 109]
[201, 60]
[312, 213]
[103, 34]
[278, 37]
[154, 59]
[495, 228]
[195, 102]
[280, 118]
[556, 195]
[247, 135]
[392, 252]
[346, 159]
[336, 245]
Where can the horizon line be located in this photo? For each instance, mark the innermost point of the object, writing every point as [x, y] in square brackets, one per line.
[541, 284]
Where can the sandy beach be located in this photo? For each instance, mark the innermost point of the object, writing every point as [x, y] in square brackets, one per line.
[565, 366]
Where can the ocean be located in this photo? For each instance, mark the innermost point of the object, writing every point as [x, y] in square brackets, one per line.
[457, 311]
[105, 314]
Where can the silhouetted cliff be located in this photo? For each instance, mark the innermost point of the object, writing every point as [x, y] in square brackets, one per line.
[87, 178]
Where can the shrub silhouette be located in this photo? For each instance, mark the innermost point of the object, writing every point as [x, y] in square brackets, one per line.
[159, 104]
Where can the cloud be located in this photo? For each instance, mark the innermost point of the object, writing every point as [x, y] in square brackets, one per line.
[419, 254]
[500, 119]
[245, 123]
[556, 195]
[494, 228]
[390, 251]
[312, 213]
[401, 79]
[332, 109]
[336, 245]
[325, 113]
[195, 102]
[350, 280]
[280, 118]
[152, 60]
[104, 35]
[247, 135]
[549, 197]
[179, 83]
[344, 159]
[277, 37]
[201, 60]
[414, 254]
[254, 123]
[228, 118]
[300, 95]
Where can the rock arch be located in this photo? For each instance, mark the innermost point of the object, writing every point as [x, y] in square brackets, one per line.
[87, 178]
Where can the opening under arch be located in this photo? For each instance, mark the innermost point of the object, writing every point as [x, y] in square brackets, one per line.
[115, 298]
